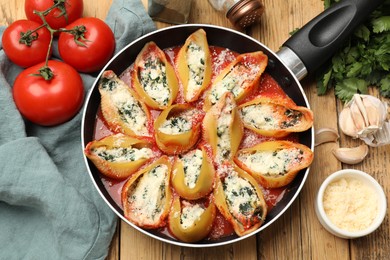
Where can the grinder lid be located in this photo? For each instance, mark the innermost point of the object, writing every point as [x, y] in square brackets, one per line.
[245, 13]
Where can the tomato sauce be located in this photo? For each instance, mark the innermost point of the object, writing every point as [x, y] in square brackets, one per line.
[221, 57]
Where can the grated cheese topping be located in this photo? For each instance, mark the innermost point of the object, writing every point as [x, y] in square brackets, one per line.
[236, 81]
[350, 204]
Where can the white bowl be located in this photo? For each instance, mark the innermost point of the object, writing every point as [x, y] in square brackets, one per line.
[368, 180]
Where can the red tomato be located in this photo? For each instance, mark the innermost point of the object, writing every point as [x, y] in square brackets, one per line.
[49, 102]
[73, 8]
[20, 53]
[98, 46]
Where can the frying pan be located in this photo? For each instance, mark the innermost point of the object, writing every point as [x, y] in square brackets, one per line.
[303, 53]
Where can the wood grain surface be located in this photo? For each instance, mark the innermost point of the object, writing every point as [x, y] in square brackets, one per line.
[297, 234]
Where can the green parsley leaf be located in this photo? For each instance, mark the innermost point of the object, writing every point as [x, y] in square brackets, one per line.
[348, 87]
[381, 24]
[385, 86]
[354, 69]
[324, 83]
[362, 32]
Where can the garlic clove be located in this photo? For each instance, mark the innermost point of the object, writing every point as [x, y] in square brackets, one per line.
[358, 105]
[347, 124]
[325, 135]
[380, 109]
[351, 155]
[357, 116]
[372, 112]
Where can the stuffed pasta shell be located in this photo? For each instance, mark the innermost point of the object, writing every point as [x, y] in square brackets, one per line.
[191, 221]
[154, 78]
[121, 108]
[238, 78]
[274, 163]
[273, 117]
[147, 196]
[177, 128]
[222, 128]
[193, 174]
[118, 156]
[194, 65]
[239, 198]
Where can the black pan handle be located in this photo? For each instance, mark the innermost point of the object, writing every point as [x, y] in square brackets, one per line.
[319, 39]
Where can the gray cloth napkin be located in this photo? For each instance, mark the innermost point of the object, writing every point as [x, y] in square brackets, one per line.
[49, 208]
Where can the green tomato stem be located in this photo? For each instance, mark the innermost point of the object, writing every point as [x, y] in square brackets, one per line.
[44, 72]
[30, 36]
[52, 31]
[60, 4]
[78, 34]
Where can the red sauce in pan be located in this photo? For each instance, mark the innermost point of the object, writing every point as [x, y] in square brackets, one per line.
[267, 87]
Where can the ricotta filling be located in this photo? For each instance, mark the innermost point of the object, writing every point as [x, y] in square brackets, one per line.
[130, 110]
[196, 65]
[154, 81]
[272, 163]
[224, 122]
[122, 154]
[270, 117]
[189, 214]
[192, 164]
[259, 116]
[236, 81]
[241, 196]
[148, 197]
[178, 124]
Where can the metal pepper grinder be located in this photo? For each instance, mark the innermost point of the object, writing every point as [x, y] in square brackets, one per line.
[241, 13]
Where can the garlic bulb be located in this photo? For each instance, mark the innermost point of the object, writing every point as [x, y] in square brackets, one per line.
[364, 117]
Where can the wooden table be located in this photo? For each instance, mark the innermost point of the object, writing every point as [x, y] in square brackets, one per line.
[297, 234]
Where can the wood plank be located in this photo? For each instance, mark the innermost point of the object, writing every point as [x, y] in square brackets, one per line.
[96, 10]
[113, 253]
[136, 245]
[299, 227]
[10, 11]
[317, 243]
[377, 164]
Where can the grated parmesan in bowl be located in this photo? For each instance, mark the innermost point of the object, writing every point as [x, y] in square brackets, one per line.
[350, 204]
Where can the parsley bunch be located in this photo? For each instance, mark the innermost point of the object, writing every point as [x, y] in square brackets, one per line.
[363, 61]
